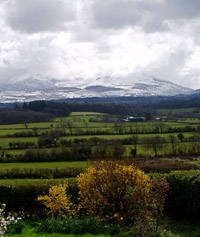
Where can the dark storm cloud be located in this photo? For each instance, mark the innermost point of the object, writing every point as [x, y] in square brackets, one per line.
[33, 16]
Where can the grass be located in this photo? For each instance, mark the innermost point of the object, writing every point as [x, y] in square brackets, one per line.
[31, 181]
[182, 229]
[77, 164]
[173, 228]
[4, 142]
[30, 232]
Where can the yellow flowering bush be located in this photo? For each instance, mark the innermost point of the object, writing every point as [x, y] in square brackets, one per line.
[57, 202]
[114, 191]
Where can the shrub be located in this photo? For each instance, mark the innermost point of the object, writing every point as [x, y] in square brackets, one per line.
[159, 190]
[23, 197]
[115, 192]
[15, 228]
[57, 202]
[6, 220]
[183, 200]
[184, 195]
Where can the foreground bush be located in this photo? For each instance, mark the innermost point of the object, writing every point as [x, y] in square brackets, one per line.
[57, 202]
[183, 200]
[6, 219]
[114, 191]
[184, 195]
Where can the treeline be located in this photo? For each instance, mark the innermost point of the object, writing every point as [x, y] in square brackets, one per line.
[13, 116]
[67, 129]
[80, 153]
[42, 111]
[152, 102]
[137, 107]
[64, 108]
[33, 112]
[56, 109]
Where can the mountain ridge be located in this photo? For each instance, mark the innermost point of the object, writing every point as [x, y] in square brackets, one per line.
[34, 88]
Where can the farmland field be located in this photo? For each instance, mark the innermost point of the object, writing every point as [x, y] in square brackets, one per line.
[44, 165]
[72, 141]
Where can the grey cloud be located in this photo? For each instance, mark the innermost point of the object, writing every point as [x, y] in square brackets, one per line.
[33, 16]
[115, 13]
[183, 8]
[151, 15]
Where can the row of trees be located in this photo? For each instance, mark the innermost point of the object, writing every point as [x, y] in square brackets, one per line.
[116, 129]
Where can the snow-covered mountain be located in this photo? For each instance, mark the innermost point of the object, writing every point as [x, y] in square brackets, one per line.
[51, 89]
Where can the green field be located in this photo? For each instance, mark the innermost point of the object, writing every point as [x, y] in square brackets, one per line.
[44, 165]
[88, 122]
[30, 181]
[31, 232]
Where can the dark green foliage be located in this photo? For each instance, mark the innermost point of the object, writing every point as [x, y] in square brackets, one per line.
[16, 228]
[20, 116]
[21, 145]
[183, 199]
[184, 195]
[62, 154]
[55, 154]
[57, 109]
[77, 227]
[23, 197]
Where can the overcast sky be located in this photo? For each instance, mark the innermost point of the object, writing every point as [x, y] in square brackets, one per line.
[67, 39]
